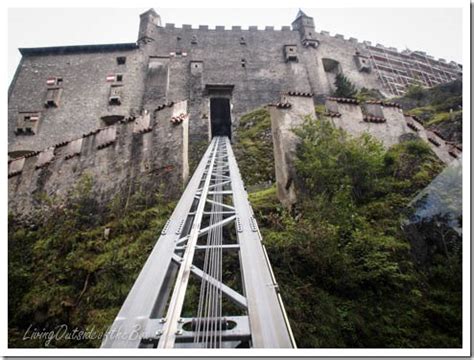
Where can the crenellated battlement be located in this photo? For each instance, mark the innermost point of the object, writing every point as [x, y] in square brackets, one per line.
[365, 44]
[236, 28]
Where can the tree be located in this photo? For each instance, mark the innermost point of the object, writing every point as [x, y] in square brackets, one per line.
[415, 91]
[344, 88]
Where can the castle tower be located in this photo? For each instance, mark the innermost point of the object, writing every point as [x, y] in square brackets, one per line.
[148, 21]
[304, 24]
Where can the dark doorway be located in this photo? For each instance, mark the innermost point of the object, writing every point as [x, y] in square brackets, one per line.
[220, 117]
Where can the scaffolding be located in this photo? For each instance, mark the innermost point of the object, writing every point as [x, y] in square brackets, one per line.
[397, 70]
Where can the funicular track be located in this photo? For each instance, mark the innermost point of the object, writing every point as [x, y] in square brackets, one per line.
[208, 282]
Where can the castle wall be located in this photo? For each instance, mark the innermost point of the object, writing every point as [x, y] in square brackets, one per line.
[343, 51]
[84, 98]
[286, 116]
[252, 67]
[445, 151]
[384, 121]
[387, 123]
[251, 60]
[146, 154]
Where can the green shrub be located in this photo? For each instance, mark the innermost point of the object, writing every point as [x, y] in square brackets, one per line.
[65, 271]
[344, 87]
[343, 264]
[415, 92]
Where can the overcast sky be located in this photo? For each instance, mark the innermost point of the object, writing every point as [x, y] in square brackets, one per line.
[436, 31]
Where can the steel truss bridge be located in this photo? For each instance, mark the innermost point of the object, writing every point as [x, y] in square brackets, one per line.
[208, 282]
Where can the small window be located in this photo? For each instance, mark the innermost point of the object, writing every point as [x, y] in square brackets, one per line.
[119, 78]
[27, 123]
[196, 67]
[242, 41]
[54, 81]
[115, 97]
[121, 60]
[290, 52]
[52, 97]
[243, 62]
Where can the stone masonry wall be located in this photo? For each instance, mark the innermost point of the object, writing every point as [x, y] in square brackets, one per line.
[343, 51]
[287, 115]
[252, 61]
[145, 154]
[385, 121]
[251, 67]
[170, 62]
[84, 99]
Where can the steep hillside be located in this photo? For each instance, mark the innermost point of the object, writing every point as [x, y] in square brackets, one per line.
[343, 264]
[254, 148]
[75, 267]
[438, 108]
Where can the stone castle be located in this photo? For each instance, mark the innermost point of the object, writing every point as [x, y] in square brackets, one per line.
[134, 115]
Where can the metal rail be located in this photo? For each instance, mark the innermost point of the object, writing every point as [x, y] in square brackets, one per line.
[210, 245]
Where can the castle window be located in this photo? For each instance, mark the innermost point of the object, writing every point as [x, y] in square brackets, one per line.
[121, 60]
[361, 63]
[114, 78]
[331, 66]
[53, 94]
[111, 119]
[27, 123]
[194, 39]
[115, 97]
[242, 41]
[243, 62]
[54, 81]
[290, 53]
[196, 68]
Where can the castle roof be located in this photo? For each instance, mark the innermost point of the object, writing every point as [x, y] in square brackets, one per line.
[77, 49]
[150, 11]
[300, 14]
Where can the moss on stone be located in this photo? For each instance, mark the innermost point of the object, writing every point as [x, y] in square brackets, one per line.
[65, 270]
[254, 148]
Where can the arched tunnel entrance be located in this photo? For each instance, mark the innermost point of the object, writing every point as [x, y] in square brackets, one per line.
[221, 124]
